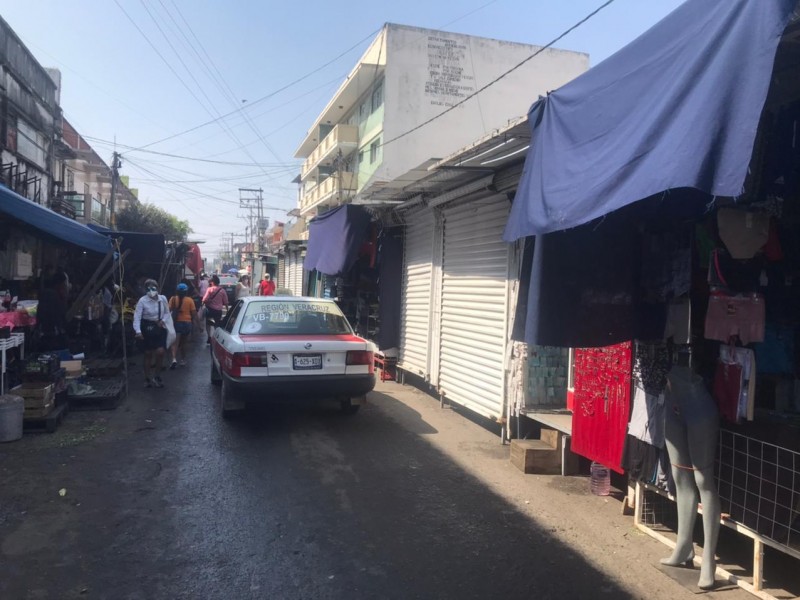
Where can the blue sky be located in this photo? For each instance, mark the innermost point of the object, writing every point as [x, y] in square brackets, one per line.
[115, 86]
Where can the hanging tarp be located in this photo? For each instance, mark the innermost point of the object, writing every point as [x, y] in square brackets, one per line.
[51, 223]
[334, 239]
[144, 247]
[677, 107]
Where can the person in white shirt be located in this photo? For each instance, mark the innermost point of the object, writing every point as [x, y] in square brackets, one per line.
[243, 287]
[151, 331]
[203, 285]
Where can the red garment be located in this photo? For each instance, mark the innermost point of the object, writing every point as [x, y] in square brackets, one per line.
[267, 288]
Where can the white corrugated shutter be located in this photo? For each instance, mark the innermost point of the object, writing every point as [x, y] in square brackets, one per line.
[416, 298]
[296, 273]
[474, 307]
[282, 263]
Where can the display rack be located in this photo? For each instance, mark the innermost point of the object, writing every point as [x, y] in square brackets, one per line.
[759, 541]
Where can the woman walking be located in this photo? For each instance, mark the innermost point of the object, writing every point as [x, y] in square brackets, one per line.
[184, 311]
[151, 331]
[214, 300]
[243, 287]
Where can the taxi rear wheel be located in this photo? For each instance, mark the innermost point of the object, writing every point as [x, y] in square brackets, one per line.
[347, 406]
[216, 379]
[230, 406]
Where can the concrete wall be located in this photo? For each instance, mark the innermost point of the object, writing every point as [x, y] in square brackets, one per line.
[429, 71]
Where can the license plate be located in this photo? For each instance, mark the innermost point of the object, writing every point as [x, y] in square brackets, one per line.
[306, 361]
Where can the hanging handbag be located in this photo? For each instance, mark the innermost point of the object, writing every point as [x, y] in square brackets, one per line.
[727, 389]
[735, 316]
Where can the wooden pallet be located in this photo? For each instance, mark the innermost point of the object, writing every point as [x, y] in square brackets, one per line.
[46, 424]
[108, 394]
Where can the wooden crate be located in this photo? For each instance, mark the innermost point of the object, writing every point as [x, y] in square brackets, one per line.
[38, 412]
[36, 395]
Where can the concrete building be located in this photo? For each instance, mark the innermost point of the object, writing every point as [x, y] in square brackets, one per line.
[376, 127]
[84, 181]
[29, 120]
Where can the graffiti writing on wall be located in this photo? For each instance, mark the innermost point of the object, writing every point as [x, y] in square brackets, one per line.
[447, 82]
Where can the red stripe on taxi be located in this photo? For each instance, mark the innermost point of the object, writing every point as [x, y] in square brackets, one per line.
[293, 338]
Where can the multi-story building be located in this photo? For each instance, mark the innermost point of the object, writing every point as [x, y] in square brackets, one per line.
[84, 181]
[410, 98]
[29, 120]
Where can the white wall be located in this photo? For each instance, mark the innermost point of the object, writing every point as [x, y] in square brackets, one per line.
[428, 71]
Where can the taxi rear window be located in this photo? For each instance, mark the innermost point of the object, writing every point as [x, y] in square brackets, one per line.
[293, 318]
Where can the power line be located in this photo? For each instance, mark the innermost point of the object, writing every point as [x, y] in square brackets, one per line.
[265, 97]
[491, 83]
[221, 121]
[190, 158]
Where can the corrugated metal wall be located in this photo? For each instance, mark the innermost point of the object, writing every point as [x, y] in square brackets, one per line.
[415, 325]
[474, 305]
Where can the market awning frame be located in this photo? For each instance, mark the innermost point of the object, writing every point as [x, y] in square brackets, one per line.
[51, 223]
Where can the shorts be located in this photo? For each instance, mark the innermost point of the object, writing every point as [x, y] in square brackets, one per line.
[154, 337]
[183, 327]
[213, 315]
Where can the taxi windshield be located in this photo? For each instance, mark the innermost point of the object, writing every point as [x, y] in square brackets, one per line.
[293, 318]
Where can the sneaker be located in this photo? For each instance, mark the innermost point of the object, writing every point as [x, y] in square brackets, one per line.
[157, 382]
[174, 365]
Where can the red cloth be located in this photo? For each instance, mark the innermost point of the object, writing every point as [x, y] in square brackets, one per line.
[267, 288]
[16, 319]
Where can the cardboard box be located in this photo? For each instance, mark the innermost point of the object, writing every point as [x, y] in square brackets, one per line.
[73, 367]
[36, 395]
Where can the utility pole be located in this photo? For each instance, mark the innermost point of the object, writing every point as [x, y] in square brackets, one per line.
[253, 201]
[116, 163]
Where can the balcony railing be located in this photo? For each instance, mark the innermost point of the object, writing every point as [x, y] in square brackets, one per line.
[342, 137]
[98, 212]
[78, 203]
[331, 190]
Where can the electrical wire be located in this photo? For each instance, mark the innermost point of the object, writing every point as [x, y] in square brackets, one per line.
[266, 96]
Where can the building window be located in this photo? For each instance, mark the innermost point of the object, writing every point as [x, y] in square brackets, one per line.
[360, 157]
[377, 97]
[31, 144]
[374, 151]
[70, 187]
[363, 111]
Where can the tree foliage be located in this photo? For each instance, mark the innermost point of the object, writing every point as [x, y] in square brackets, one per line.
[148, 218]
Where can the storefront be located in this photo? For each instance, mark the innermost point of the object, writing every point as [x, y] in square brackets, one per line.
[666, 245]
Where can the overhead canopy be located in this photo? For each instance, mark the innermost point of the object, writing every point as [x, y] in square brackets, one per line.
[676, 108]
[334, 239]
[51, 223]
[144, 247]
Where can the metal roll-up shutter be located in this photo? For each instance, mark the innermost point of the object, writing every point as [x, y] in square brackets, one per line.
[296, 274]
[281, 279]
[415, 326]
[474, 306]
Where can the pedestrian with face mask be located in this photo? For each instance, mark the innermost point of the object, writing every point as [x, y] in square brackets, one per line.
[183, 314]
[151, 332]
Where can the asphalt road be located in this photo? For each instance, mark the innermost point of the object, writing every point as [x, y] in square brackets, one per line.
[164, 499]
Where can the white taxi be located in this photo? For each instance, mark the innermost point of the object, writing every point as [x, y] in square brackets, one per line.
[283, 347]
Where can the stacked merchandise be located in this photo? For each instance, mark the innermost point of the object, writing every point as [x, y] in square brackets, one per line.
[43, 387]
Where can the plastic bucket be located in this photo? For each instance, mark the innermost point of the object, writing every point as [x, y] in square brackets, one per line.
[12, 409]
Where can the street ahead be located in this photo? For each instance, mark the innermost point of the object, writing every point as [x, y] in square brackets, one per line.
[163, 499]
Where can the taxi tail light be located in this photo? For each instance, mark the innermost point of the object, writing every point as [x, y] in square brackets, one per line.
[247, 359]
[361, 357]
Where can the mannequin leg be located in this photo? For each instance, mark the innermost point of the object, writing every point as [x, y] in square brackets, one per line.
[703, 437]
[677, 441]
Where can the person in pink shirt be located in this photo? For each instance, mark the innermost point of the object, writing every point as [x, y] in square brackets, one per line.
[214, 300]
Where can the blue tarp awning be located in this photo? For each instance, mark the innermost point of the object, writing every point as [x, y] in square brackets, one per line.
[51, 223]
[334, 239]
[676, 108]
[144, 247]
